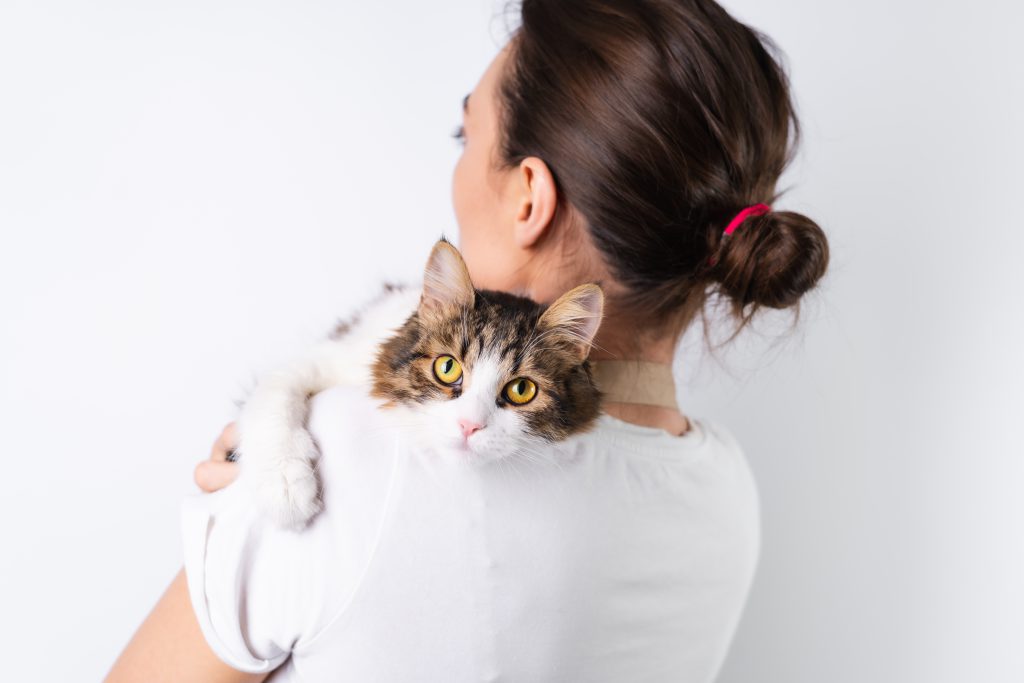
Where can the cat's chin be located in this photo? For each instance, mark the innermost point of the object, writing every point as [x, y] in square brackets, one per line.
[459, 450]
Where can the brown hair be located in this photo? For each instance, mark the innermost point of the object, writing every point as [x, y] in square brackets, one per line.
[660, 120]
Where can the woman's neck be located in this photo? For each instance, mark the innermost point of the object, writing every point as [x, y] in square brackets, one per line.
[613, 344]
[616, 339]
[616, 344]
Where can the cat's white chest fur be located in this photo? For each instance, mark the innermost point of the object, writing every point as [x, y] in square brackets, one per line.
[277, 453]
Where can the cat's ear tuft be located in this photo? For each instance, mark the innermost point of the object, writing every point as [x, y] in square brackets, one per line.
[576, 315]
[446, 283]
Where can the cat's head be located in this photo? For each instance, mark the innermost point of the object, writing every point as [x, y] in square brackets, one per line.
[489, 374]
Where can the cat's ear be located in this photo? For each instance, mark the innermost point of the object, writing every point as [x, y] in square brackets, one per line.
[446, 283]
[576, 315]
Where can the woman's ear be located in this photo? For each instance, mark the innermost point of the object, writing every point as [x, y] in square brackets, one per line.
[538, 198]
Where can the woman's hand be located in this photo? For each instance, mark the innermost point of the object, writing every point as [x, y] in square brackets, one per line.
[217, 472]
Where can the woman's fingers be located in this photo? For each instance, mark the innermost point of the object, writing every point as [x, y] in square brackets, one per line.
[225, 443]
[217, 472]
[213, 475]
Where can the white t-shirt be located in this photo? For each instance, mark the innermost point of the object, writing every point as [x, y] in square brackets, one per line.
[627, 558]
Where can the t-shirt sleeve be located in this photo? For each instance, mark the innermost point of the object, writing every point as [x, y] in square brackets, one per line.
[259, 591]
[242, 577]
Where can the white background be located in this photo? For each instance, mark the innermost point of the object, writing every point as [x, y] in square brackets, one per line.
[190, 192]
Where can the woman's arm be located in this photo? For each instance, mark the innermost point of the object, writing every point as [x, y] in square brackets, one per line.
[169, 645]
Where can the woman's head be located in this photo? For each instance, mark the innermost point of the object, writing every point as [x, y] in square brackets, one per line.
[613, 140]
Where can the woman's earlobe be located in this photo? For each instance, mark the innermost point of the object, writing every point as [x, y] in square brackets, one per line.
[539, 198]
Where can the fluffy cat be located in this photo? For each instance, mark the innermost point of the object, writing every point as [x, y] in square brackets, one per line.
[480, 373]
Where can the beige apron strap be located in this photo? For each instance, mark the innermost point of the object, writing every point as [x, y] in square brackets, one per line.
[635, 381]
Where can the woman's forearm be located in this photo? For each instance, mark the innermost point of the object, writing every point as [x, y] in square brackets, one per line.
[169, 647]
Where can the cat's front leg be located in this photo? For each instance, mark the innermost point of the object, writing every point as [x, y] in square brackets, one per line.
[278, 456]
[283, 477]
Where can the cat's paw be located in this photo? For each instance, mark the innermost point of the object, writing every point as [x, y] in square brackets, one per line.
[291, 498]
[284, 482]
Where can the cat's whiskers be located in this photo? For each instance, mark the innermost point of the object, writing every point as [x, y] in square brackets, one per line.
[545, 459]
[564, 332]
[531, 345]
[524, 454]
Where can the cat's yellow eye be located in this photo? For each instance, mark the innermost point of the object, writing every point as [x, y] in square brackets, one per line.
[447, 369]
[520, 391]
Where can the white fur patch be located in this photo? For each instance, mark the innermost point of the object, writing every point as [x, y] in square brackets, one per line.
[278, 455]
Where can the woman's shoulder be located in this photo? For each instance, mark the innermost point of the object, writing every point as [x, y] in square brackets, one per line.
[358, 454]
[344, 408]
[356, 439]
[708, 441]
[690, 489]
[705, 470]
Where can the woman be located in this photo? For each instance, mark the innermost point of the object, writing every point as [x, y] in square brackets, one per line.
[616, 141]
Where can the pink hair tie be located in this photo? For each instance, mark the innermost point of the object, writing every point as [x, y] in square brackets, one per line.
[754, 210]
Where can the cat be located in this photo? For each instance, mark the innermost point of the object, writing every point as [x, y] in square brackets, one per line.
[480, 373]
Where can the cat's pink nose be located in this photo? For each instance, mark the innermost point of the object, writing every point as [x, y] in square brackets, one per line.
[468, 427]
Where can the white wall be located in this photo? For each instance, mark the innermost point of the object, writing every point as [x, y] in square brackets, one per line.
[190, 192]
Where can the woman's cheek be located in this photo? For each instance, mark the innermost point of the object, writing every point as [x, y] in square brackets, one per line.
[479, 221]
[458, 191]
[466, 203]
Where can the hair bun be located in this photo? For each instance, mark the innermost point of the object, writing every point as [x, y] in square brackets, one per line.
[772, 260]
